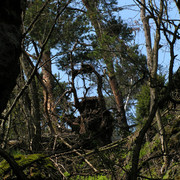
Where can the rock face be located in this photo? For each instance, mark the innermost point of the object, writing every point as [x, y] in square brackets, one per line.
[10, 47]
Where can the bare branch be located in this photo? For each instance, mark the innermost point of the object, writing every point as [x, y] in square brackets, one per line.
[37, 64]
[36, 18]
[79, 154]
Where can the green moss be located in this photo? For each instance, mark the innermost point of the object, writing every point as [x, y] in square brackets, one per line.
[66, 174]
[4, 166]
[145, 150]
[98, 177]
[37, 165]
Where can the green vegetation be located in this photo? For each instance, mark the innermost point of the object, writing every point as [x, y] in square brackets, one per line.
[92, 99]
[99, 177]
[33, 165]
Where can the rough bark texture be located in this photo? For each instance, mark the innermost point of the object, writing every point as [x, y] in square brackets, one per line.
[119, 102]
[47, 78]
[48, 92]
[10, 43]
[164, 146]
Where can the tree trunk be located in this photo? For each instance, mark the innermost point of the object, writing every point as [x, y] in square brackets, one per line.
[49, 104]
[35, 113]
[4, 136]
[164, 146]
[95, 18]
[133, 174]
[32, 109]
[119, 102]
[27, 111]
[152, 63]
[10, 43]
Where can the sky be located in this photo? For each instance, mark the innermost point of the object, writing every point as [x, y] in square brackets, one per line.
[131, 15]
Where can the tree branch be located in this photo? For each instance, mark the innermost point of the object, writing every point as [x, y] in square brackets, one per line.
[13, 164]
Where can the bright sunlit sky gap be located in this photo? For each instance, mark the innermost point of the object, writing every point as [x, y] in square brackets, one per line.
[131, 15]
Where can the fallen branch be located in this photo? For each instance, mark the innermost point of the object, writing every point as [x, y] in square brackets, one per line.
[79, 154]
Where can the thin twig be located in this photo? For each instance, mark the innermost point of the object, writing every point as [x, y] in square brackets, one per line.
[79, 154]
[37, 64]
[57, 166]
[36, 18]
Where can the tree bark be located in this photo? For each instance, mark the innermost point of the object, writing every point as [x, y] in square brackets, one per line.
[95, 18]
[152, 63]
[49, 104]
[10, 43]
[164, 146]
[33, 109]
[133, 174]
[119, 102]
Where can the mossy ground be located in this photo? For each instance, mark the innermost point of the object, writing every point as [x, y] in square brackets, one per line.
[33, 165]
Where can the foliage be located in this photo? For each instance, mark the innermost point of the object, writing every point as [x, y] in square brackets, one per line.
[99, 177]
[46, 20]
[143, 104]
[100, 37]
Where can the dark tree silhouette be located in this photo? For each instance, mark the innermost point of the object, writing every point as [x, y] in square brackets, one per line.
[10, 43]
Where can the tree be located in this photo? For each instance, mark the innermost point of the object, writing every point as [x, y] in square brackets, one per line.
[32, 106]
[10, 39]
[10, 48]
[52, 11]
[147, 12]
[103, 39]
[73, 135]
